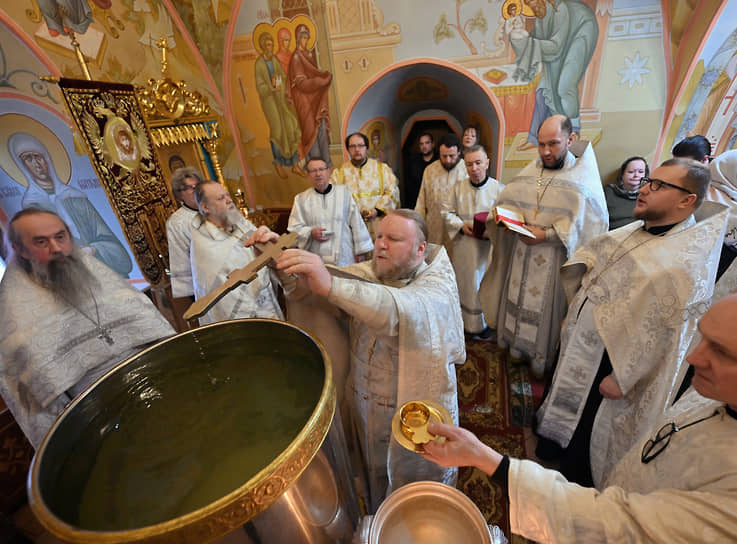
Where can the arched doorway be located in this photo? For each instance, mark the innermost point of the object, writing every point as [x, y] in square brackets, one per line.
[408, 94]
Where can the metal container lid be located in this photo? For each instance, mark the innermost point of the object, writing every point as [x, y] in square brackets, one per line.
[428, 513]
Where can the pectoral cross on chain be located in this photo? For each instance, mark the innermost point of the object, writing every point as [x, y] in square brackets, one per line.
[103, 333]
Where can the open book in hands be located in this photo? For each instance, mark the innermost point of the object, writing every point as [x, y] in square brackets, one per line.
[511, 219]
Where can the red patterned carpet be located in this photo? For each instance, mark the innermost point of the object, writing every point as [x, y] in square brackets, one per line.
[496, 403]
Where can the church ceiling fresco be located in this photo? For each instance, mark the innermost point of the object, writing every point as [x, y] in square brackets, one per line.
[708, 103]
[627, 55]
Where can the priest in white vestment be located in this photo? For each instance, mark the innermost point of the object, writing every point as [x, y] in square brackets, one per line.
[66, 320]
[218, 249]
[639, 291]
[372, 183]
[406, 338]
[470, 251]
[179, 230]
[562, 202]
[438, 181]
[678, 483]
[327, 220]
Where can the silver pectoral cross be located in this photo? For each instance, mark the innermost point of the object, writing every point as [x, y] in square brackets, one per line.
[103, 333]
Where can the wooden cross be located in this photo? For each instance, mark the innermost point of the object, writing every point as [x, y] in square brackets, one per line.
[242, 275]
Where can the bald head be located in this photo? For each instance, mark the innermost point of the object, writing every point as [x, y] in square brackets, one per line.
[554, 137]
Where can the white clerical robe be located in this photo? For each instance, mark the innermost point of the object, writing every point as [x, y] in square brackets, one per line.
[337, 213]
[179, 236]
[639, 296]
[521, 293]
[214, 254]
[686, 494]
[435, 193]
[51, 351]
[470, 255]
[406, 338]
[373, 185]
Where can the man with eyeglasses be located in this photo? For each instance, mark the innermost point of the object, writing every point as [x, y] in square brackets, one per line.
[327, 220]
[179, 231]
[678, 482]
[328, 223]
[438, 181]
[372, 183]
[639, 291]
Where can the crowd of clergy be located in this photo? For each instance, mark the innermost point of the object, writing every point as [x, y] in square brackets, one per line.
[620, 297]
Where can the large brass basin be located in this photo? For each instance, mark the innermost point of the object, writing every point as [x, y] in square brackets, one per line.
[187, 440]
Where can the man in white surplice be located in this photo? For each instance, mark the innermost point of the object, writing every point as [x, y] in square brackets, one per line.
[179, 230]
[470, 253]
[438, 181]
[328, 221]
[218, 249]
[639, 291]
[406, 337]
[562, 201]
[66, 320]
[670, 487]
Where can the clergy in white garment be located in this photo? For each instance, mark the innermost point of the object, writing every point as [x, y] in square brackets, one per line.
[218, 248]
[562, 202]
[179, 230]
[327, 220]
[678, 483]
[406, 338]
[723, 189]
[438, 181]
[66, 320]
[637, 293]
[372, 183]
[471, 251]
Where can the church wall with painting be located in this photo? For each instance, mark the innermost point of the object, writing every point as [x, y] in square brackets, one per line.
[286, 79]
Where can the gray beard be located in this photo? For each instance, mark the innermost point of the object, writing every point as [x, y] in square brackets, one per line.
[232, 218]
[66, 277]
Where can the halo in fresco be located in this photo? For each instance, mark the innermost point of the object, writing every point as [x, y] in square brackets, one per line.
[304, 20]
[258, 31]
[273, 30]
[522, 9]
[15, 122]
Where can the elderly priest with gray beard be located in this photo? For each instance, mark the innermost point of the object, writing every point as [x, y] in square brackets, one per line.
[219, 247]
[66, 320]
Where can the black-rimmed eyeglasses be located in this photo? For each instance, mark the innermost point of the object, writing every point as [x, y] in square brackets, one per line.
[656, 184]
[655, 446]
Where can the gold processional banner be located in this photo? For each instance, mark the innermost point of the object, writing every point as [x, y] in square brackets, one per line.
[109, 118]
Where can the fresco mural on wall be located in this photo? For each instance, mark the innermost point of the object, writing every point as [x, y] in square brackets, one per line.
[39, 168]
[275, 93]
[381, 140]
[310, 89]
[709, 105]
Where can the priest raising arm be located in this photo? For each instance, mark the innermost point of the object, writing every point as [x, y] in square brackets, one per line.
[677, 484]
[406, 336]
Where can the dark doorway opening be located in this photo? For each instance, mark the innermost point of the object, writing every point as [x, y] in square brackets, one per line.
[410, 186]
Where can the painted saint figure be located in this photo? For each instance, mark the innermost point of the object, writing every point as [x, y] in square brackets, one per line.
[47, 192]
[562, 43]
[271, 82]
[309, 87]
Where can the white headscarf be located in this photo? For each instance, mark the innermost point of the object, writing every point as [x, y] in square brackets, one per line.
[20, 143]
